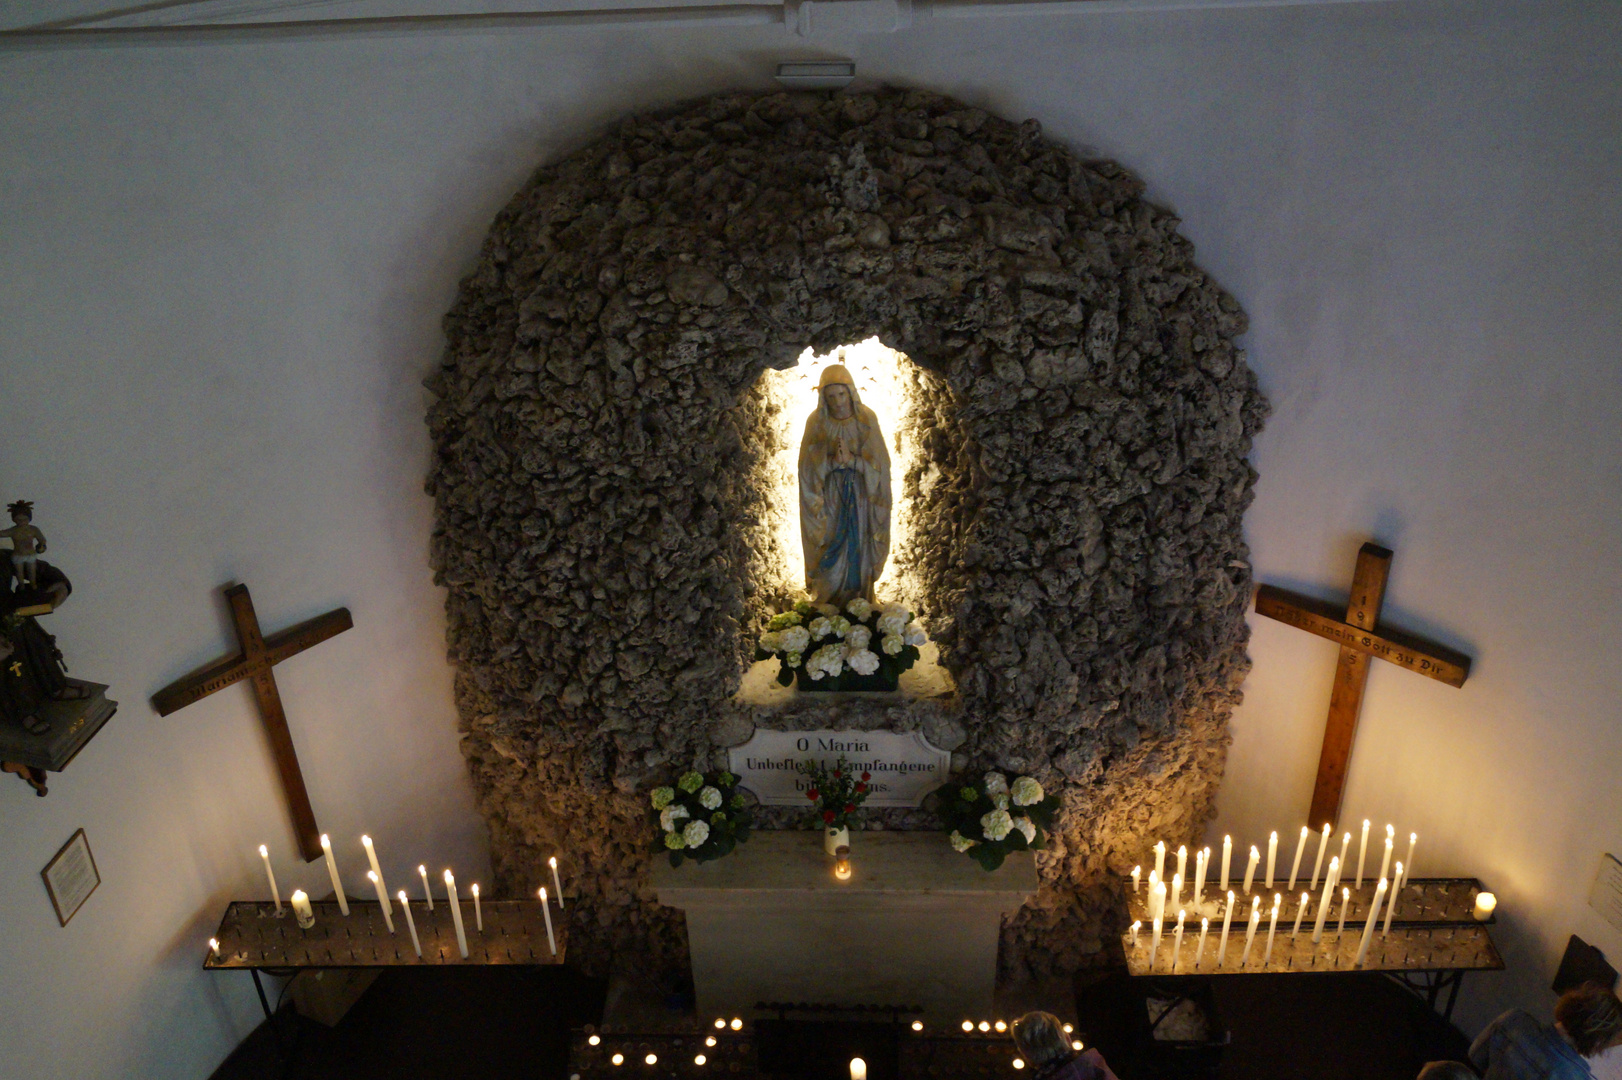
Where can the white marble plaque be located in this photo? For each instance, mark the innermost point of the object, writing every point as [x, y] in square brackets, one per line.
[903, 764]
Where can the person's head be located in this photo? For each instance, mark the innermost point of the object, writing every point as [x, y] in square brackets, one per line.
[21, 511]
[1041, 1039]
[1590, 1016]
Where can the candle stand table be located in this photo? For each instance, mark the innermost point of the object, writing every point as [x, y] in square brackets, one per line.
[254, 937]
[1433, 941]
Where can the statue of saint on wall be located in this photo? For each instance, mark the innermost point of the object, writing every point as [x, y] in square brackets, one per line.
[844, 493]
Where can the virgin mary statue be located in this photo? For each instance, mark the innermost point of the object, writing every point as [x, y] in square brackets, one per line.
[844, 493]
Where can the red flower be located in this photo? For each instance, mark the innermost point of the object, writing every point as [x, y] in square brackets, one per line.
[850, 808]
[866, 777]
[860, 788]
[828, 816]
[812, 795]
[837, 774]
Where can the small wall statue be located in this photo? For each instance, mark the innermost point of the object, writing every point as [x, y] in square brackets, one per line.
[844, 493]
[45, 716]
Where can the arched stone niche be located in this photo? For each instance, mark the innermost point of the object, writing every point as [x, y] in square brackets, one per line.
[1083, 415]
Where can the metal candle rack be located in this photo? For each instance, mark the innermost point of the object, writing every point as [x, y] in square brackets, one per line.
[1422, 902]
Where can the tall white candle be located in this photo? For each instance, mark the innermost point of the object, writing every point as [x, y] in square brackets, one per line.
[1272, 857]
[1325, 900]
[264, 853]
[382, 899]
[426, 891]
[1202, 862]
[1318, 863]
[1272, 927]
[1385, 863]
[1250, 868]
[1300, 849]
[1135, 925]
[1182, 861]
[411, 924]
[1362, 852]
[456, 913]
[1345, 902]
[1227, 857]
[556, 883]
[1199, 954]
[1345, 842]
[1299, 911]
[546, 909]
[382, 889]
[1137, 877]
[1391, 906]
[1177, 941]
[301, 909]
[1154, 942]
[1413, 838]
[1160, 860]
[1372, 922]
[1227, 920]
[332, 872]
[1157, 900]
[1177, 890]
[478, 912]
[1250, 931]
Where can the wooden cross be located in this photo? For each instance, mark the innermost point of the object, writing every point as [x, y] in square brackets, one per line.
[1358, 641]
[259, 655]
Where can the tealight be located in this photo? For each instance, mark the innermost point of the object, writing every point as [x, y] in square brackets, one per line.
[1076, 1045]
[968, 1025]
[985, 1026]
[737, 1024]
[710, 1041]
[1019, 1063]
[1068, 1029]
[1000, 1026]
[699, 1060]
[618, 1059]
[594, 1040]
[720, 1023]
[652, 1059]
[917, 1025]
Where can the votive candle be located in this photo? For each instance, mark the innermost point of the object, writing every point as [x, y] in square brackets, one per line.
[1199, 955]
[1272, 857]
[1272, 927]
[1300, 849]
[1345, 842]
[1160, 860]
[1137, 879]
[1325, 900]
[1202, 864]
[1345, 902]
[1154, 942]
[1362, 852]
[382, 899]
[382, 889]
[1250, 868]
[1385, 863]
[301, 909]
[556, 882]
[478, 912]
[456, 913]
[332, 872]
[1177, 941]
[1250, 932]
[546, 909]
[1486, 904]
[1227, 856]
[1318, 863]
[1373, 921]
[1136, 923]
[1300, 910]
[426, 891]
[1177, 890]
[1182, 861]
[1227, 920]
[264, 853]
[1391, 907]
[411, 924]
[1413, 838]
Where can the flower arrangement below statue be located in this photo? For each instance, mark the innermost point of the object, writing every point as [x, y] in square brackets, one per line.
[838, 794]
[865, 647]
[703, 817]
[989, 821]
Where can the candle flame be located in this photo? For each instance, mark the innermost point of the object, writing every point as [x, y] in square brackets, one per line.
[475, 888]
[448, 879]
[543, 894]
[264, 852]
[402, 896]
[326, 843]
[423, 870]
[1390, 831]
[552, 862]
[371, 876]
[367, 840]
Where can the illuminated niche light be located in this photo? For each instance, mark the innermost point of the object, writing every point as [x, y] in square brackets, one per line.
[881, 376]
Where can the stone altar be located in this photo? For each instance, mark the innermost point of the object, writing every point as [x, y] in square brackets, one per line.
[917, 924]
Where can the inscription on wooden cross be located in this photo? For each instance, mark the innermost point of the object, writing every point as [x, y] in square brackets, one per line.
[254, 664]
[1359, 637]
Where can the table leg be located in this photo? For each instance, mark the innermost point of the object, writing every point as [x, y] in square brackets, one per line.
[264, 1002]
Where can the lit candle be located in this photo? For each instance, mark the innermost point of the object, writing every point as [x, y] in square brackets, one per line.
[1177, 890]
[1160, 860]
[382, 899]
[1250, 932]
[1202, 863]
[264, 853]
[1413, 838]
[1272, 926]
[456, 913]
[1300, 849]
[1345, 902]
[1486, 904]
[301, 909]
[1199, 954]
[1182, 861]
[426, 891]
[1299, 911]
[1250, 867]
[1137, 923]
[1177, 941]
[557, 884]
[1391, 908]
[1137, 879]
[1227, 920]
[1325, 900]
[858, 1069]
[1372, 922]
[411, 924]
[1385, 863]
[1362, 851]
[332, 872]
[1227, 856]
[1272, 857]
[1154, 942]
[1345, 842]
[382, 889]
[1157, 901]
[546, 909]
[478, 912]
[214, 944]
[1318, 863]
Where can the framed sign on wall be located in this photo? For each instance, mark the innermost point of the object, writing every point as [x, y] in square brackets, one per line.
[71, 876]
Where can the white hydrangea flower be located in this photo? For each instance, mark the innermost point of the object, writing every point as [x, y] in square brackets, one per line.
[893, 622]
[1000, 800]
[696, 833]
[961, 842]
[794, 659]
[841, 625]
[997, 824]
[830, 659]
[670, 815]
[859, 637]
[995, 783]
[710, 798]
[915, 634]
[863, 661]
[821, 627]
[828, 610]
[1026, 826]
[771, 642]
[1027, 792]
[892, 644]
[859, 608]
[794, 639]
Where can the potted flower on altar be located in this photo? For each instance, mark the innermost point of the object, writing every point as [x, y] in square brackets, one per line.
[991, 819]
[838, 794]
[865, 646]
[702, 817]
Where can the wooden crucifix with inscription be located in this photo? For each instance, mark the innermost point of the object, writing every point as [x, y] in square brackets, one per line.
[259, 656]
[1359, 638]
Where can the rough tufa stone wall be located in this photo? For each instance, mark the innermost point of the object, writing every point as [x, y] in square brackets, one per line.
[599, 433]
